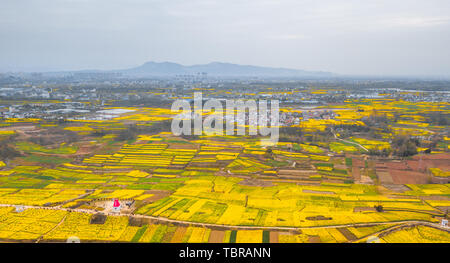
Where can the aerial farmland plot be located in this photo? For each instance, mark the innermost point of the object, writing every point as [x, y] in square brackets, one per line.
[342, 173]
[198, 128]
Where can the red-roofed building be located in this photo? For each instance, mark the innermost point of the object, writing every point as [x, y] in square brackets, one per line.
[116, 205]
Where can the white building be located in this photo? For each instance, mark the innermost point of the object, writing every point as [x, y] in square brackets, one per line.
[444, 223]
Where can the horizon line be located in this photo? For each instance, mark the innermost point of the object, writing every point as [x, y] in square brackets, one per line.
[334, 75]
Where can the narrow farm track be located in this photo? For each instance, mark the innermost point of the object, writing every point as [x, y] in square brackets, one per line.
[354, 143]
[399, 227]
[182, 222]
[42, 236]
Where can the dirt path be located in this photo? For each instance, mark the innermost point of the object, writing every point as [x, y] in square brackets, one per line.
[354, 143]
[48, 232]
[399, 227]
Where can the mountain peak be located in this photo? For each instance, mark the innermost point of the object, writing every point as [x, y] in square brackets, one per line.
[220, 69]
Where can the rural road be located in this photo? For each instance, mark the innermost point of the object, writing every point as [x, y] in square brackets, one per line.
[398, 227]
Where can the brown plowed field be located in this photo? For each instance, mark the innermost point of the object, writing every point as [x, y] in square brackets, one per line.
[409, 177]
[216, 236]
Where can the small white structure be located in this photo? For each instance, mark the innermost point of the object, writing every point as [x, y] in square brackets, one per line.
[19, 208]
[444, 223]
[373, 239]
[73, 239]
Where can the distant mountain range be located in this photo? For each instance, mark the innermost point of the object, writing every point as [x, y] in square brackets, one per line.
[218, 69]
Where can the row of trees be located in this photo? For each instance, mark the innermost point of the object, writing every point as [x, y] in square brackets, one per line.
[296, 135]
[132, 131]
[402, 146]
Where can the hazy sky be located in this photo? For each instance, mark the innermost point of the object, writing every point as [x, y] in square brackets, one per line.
[394, 37]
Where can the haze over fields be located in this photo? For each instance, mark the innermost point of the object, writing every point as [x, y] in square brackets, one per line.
[215, 69]
[383, 37]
